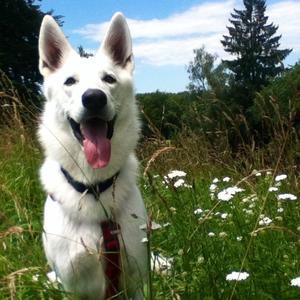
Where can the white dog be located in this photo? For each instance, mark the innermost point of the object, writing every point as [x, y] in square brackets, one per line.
[89, 130]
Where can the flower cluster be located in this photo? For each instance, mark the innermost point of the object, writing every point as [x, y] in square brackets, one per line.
[238, 276]
[175, 178]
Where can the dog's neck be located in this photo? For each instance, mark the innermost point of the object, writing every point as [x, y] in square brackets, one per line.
[95, 189]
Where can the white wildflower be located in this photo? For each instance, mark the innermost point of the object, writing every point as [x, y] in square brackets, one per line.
[248, 211]
[215, 180]
[179, 182]
[287, 197]
[258, 174]
[280, 177]
[226, 179]
[269, 173]
[295, 282]
[273, 189]
[154, 226]
[53, 278]
[198, 211]
[180, 252]
[176, 173]
[224, 195]
[239, 238]
[160, 264]
[200, 259]
[265, 221]
[228, 193]
[237, 276]
[189, 186]
[224, 215]
[251, 198]
[35, 277]
[213, 187]
[222, 234]
[173, 209]
[166, 182]
[211, 234]
[280, 209]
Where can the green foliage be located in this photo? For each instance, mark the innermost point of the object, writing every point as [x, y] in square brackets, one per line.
[17, 105]
[22, 262]
[20, 22]
[165, 114]
[226, 91]
[277, 107]
[205, 75]
[200, 260]
[273, 115]
[252, 41]
[205, 239]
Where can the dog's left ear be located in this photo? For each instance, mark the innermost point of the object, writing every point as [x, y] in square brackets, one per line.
[117, 42]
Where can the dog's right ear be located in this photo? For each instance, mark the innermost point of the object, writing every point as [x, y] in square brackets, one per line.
[53, 46]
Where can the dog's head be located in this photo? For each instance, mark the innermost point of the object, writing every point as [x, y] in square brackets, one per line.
[89, 94]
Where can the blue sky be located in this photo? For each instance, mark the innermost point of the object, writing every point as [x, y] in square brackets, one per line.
[165, 32]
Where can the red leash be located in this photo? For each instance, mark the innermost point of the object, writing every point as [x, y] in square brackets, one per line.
[110, 230]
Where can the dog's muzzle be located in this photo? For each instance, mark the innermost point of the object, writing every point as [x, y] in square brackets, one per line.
[76, 128]
[94, 131]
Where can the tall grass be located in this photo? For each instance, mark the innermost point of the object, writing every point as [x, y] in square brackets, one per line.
[200, 239]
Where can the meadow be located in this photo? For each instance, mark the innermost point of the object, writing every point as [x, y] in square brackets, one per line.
[224, 225]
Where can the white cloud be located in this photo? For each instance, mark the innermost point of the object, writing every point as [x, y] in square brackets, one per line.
[170, 41]
[286, 15]
[174, 51]
[205, 18]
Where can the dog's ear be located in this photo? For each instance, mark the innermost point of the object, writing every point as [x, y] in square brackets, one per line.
[53, 46]
[117, 42]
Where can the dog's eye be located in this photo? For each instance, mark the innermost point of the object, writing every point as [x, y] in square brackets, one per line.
[109, 79]
[70, 81]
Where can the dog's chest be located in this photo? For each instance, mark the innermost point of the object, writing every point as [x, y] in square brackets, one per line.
[75, 245]
[80, 249]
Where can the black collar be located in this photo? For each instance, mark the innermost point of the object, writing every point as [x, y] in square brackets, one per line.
[94, 189]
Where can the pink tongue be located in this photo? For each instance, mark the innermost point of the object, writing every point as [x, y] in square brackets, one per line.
[97, 147]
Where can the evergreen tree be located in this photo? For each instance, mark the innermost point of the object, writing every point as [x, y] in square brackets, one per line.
[255, 46]
[20, 22]
[83, 53]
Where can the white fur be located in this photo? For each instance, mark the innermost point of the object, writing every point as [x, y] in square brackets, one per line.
[72, 233]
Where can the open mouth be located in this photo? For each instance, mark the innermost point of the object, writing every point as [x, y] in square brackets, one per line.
[95, 135]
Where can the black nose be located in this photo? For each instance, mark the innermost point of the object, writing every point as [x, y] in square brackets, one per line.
[94, 99]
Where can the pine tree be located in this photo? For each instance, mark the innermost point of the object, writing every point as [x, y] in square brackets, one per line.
[255, 46]
[20, 22]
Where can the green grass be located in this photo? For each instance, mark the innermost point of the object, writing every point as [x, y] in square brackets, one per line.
[200, 263]
[270, 254]
[21, 204]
